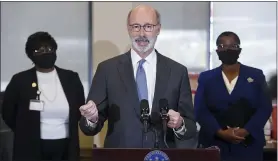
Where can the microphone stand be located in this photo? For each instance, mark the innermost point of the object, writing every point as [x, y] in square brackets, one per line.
[145, 118]
[165, 119]
[156, 143]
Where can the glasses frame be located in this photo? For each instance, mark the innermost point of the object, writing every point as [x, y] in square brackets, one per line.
[43, 50]
[234, 46]
[143, 26]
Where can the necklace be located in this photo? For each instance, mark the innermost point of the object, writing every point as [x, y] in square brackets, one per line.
[44, 94]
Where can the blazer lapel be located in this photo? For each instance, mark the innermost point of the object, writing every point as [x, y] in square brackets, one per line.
[64, 80]
[221, 83]
[34, 115]
[126, 73]
[162, 76]
[33, 83]
[239, 86]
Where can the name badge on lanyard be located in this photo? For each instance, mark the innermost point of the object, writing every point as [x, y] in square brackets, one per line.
[36, 104]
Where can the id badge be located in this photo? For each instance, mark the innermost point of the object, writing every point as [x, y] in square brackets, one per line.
[36, 105]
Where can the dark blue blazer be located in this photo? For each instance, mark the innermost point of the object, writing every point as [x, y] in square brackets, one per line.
[212, 92]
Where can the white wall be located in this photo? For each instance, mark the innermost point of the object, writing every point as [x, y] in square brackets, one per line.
[67, 22]
[255, 24]
[184, 35]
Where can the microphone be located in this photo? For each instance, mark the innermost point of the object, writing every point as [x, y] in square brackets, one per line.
[163, 105]
[145, 116]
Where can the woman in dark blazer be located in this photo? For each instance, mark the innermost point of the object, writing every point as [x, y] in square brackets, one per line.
[232, 105]
[41, 106]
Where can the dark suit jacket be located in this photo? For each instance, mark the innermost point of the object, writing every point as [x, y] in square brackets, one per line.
[3, 126]
[26, 123]
[114, 91]
[212, 92]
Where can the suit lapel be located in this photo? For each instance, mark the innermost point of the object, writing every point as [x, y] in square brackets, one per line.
[239, 86]
[65, 82]
[126, 73]
[162, 76]
[221, 83]
[34, 88]
[33, 83]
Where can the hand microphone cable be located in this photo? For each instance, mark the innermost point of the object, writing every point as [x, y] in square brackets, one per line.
[163, 104]
[165, 130]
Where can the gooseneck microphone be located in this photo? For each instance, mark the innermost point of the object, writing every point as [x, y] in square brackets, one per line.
[163, 105]
[145, 116]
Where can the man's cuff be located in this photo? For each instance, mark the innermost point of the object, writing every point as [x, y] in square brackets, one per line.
[91, 124]
[198, 126]
[181, 130]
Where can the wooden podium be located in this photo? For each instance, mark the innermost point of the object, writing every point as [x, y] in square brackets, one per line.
[104, 154]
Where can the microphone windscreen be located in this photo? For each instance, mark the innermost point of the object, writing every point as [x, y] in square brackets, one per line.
[163, 104]
[144, 106]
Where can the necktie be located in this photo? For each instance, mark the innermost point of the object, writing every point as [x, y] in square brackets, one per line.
[142, 89]
[141, 81]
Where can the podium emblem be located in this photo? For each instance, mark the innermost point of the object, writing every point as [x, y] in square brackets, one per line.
[156, 155]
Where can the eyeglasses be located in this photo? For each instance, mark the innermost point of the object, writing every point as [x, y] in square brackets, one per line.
[147, 27]
[234, 46]
[43, 50]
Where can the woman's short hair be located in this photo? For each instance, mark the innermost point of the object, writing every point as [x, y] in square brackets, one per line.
[272, 85]
[38, 39]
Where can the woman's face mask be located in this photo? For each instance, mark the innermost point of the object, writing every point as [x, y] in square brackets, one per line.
[228, 50]
[228, 56]
[44, 57]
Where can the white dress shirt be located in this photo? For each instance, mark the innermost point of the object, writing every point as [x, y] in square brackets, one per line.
[229, 85]
[150, 70]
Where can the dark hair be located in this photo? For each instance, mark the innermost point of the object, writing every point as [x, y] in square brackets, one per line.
[38, 39]
[228, 33]
[272, 85]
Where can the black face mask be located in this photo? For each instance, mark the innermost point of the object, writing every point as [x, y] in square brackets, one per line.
[229, 56]
[45, 61]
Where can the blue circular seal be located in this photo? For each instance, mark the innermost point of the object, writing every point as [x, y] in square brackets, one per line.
[156, 155]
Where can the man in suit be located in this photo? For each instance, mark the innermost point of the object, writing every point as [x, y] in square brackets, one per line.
[120, 83]
[227, 93]
[6, 137]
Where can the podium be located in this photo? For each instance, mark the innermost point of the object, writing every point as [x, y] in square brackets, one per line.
[106, 154]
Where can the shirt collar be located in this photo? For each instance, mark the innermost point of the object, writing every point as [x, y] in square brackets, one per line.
[135, 58]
